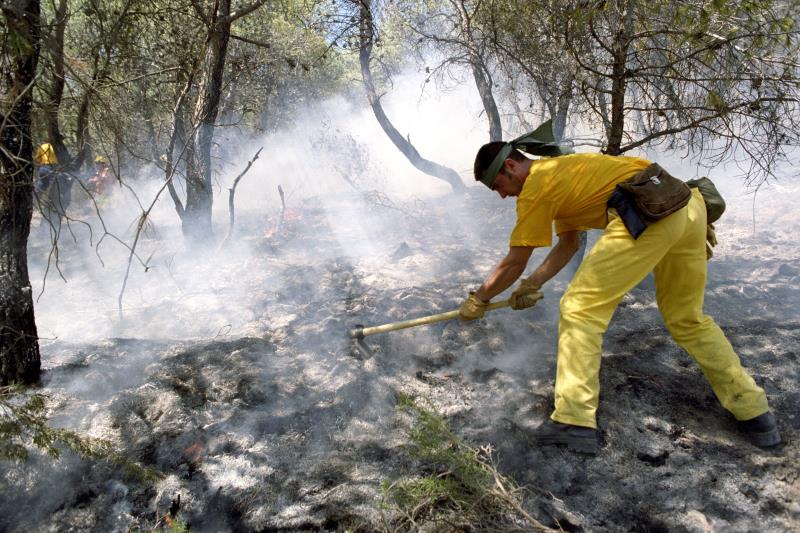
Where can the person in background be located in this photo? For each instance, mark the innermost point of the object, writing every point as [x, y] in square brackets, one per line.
[102, 180]
[52, 188]
[571, 192]
[46, 161]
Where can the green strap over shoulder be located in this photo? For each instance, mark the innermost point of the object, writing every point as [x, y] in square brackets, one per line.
[540, 141]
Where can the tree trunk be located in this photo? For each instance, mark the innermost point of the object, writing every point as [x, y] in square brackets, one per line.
[101, 61]
[55, 90]
[480, 73]
[617, 125]
[485, 90]
[562, 109]
[619, 75]
[19, 347]
[428, 167]
[196, 222]
[557, 99]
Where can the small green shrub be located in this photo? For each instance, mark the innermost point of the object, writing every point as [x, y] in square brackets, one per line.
[23, 426]
[165, 525]
[460, 486]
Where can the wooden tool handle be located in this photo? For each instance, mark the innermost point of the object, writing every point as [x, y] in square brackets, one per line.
[362, 332]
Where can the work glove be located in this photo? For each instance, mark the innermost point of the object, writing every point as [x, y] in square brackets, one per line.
[472, 308]
[525, 296]
[711, 240]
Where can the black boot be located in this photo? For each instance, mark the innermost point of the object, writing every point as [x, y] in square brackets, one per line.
[761, 430]
[575, 438]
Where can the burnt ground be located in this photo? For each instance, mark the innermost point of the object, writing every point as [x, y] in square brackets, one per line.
[267, 419]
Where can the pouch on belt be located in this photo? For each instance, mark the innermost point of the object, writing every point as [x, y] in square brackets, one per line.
[648, 196]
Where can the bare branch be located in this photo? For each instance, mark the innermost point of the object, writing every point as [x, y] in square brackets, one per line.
[245, 10]
[232, 193]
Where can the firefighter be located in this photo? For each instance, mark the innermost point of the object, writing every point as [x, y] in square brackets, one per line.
[102, 180]
[53, 186]
[46, 161]
[572, 191]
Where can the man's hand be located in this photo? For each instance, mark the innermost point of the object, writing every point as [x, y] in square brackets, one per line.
[472, 308]
[526, 295]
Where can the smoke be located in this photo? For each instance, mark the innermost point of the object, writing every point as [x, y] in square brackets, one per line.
[352, 201]
[231, 368]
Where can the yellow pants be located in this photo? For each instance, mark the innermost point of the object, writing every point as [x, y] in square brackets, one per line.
[674, 249]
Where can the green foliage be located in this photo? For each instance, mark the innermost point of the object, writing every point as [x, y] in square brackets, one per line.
[178, 526]
[665, 65]
[716, 101]
[23, 426]
[460, 486]
[434, 442]
[293, 65]
[681, 73]
[166, 525]
[126, 61]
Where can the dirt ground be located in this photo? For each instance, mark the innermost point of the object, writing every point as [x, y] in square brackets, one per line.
[264, 418]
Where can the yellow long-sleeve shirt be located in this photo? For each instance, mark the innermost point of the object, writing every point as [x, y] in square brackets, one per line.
[570, 190]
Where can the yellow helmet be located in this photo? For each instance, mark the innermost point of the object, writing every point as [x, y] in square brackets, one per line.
[101, 159]
[45, 155]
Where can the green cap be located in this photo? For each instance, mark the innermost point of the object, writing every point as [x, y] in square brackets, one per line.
[540, 141]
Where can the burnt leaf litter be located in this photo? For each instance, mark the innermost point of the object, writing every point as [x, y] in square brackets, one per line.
[280, 425]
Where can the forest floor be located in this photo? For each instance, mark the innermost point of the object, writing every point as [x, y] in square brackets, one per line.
[239, 383]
